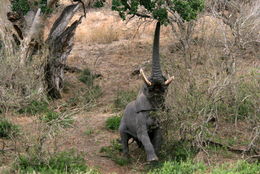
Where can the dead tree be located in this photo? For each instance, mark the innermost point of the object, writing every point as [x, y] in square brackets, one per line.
[29, 31]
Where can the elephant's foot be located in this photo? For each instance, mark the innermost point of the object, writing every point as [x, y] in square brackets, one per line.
[151, 158]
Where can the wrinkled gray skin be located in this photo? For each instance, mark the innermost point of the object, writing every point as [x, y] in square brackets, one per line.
[136, 122]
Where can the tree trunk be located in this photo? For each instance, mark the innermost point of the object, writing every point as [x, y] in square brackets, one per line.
[60, 43]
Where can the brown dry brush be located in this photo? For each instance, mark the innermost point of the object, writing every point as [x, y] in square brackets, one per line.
[218, 88]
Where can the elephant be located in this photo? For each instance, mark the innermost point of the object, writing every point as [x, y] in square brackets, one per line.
[137, 121]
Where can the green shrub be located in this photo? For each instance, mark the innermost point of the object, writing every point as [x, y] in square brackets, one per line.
[87, 77]
[89, 132]
[113, 122]
[45, 9]
[99, 4]
[59, 163]
[8, 129]
[113, 151]
[93, 91]
[34, 107]
[52, 118]
[174, 167]
[190, 167]
[123, 98]
[241, 167]
[21, 6]
[178, 151]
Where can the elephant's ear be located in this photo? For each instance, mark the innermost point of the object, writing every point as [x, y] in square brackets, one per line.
[142, 103]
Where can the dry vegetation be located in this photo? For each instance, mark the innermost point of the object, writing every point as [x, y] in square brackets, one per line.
[213, 104]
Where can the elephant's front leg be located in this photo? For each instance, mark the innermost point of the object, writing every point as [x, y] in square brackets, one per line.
[124, 140]
[143, 136]
[156, 138]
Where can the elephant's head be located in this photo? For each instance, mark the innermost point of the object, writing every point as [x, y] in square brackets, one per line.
[155, 87]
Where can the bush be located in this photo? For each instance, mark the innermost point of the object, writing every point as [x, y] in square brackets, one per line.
[93, 91]
[174, 167]
[178, 151]
[99, 4]
[34, 107]
[8, 129]
[123, 98]
[59, 163]
[21, 6]
[87, 77]
[189, 167]
[113, 122]
[241, 167]
[52, 118]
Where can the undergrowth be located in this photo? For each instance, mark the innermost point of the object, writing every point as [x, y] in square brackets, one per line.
[190, 167]
[114, 153]
[34, 107]
[8, 129]
[55, 118]
[113, 122]
[58, 163]
[173, 167]
[178, 151]
[87, 77]
[92, 92]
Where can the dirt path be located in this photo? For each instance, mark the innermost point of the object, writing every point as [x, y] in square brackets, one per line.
[114, 61]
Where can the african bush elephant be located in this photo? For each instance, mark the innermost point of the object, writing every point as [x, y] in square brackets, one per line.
[137, 122]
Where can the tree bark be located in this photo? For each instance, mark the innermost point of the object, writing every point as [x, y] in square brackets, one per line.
[60, 43]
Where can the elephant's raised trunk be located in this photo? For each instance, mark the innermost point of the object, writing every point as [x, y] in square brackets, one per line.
[156, 76]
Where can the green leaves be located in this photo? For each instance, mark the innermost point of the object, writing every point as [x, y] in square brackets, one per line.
[187, 9]
[159, 9]
[21, 6]
[161, 15]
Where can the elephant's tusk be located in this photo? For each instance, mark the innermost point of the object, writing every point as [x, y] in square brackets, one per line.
[145, 78]
[167, 82]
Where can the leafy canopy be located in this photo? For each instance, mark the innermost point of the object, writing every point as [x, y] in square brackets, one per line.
[159, 9]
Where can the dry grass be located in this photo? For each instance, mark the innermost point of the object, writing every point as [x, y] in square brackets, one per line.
[98, 28]
[103, 34]
[105, 27]
[19, 84]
